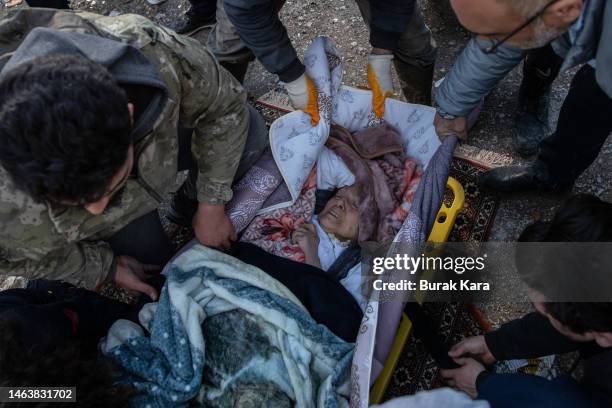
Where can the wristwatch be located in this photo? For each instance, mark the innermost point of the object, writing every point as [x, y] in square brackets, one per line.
[445, 115]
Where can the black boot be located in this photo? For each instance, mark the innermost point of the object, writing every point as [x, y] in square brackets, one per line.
[416, 82]
[184, 204]
[531, 124]
[540, 69]
[191, 22]
[515, 179]
[237, 69]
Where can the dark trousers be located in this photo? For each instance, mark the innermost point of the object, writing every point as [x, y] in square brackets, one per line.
[144, 239]
[540, 69]
[55, 4]
[204, 8]
[585, 122]
[530, 391]
[207, 8]
[53, 313]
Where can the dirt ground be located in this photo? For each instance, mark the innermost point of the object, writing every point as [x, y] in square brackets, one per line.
[340, 19]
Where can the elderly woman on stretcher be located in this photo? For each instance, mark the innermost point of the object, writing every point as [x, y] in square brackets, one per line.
[359, 190]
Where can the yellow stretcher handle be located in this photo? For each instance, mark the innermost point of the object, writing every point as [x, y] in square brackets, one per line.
[448, 214]
[439, 233]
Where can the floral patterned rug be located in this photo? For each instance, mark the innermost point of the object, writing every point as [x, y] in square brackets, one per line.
[474, 221]
[416, 369]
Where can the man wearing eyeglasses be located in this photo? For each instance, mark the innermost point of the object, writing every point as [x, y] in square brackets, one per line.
[579, 31]
[90, 110]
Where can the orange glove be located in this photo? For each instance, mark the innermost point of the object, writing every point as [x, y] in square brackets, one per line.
[303, 96]
[379, 80]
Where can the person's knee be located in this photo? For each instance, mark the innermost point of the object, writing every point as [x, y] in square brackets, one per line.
[144, 239]
[416, 45]
[420, 51]
[258, 130]
[256, 143]
[224, 41]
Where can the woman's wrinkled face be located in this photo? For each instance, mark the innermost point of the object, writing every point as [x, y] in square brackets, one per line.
[340, 216]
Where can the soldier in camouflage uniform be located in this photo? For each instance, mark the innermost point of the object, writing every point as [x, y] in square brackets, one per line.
[169, 80]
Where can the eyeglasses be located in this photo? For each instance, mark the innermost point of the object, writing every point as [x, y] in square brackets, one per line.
[496, 44]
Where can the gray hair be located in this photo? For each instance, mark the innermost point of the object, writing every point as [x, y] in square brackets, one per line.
[543, 34]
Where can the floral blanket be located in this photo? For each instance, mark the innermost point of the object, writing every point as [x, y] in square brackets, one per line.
[272, 231]
[386, 180]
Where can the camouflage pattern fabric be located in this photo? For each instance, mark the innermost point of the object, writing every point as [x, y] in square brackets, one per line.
[67, 243]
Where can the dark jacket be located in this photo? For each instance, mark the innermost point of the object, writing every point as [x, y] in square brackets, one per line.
[533, 336]
[261, 30]
[327, 301]
[53, 313]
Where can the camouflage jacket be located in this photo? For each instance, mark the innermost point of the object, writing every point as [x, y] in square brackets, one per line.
[44, 240]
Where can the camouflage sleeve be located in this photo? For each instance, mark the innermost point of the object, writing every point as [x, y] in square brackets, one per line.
[83, 264]
[213, 103]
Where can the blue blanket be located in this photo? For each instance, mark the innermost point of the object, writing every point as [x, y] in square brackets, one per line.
[226, 334]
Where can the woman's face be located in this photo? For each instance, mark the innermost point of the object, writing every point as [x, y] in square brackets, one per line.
[340, 216]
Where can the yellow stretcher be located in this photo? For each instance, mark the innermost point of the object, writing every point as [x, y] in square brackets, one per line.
[439, 233]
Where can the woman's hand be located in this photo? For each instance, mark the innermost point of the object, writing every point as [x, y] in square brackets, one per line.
[306, 237]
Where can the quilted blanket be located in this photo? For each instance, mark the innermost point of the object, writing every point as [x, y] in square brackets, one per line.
[272, 231]
[226, 334]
